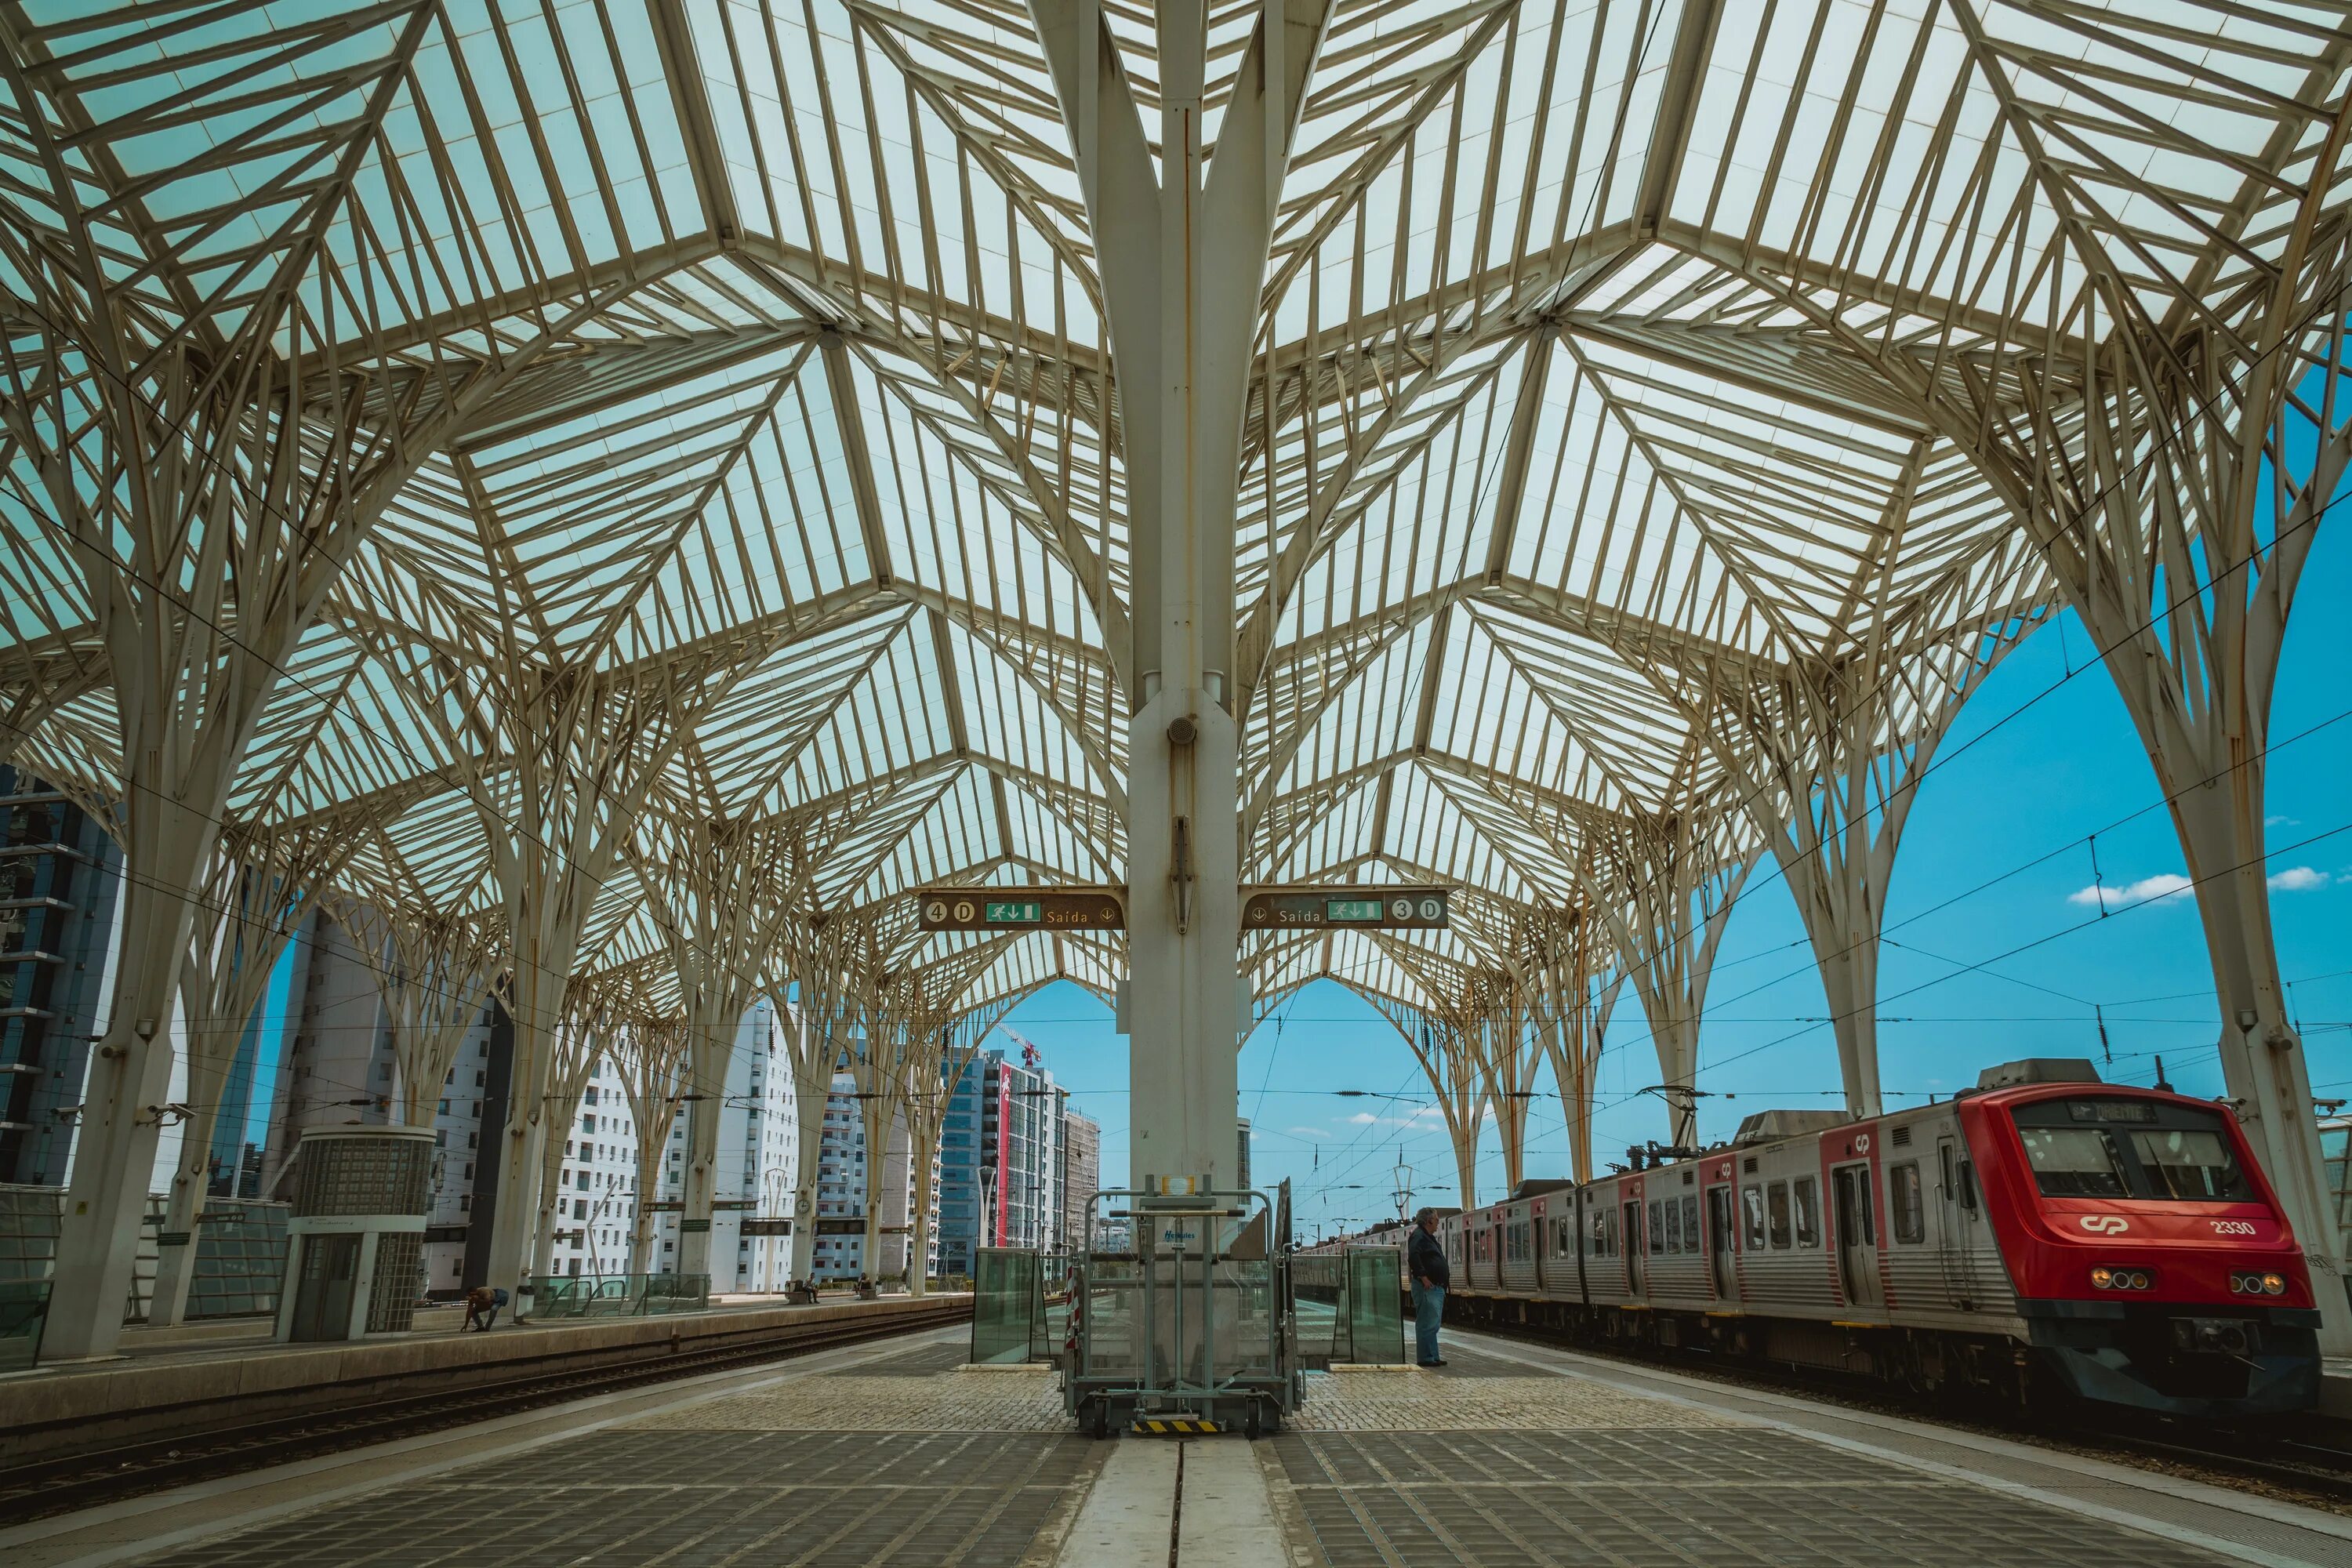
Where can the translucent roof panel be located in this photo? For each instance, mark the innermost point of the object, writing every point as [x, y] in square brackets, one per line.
[715, 414]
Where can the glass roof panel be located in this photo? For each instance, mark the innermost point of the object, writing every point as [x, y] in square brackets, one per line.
[753, 355]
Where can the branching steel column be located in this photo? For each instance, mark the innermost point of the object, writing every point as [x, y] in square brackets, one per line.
[651, 1052]
[720, 897]
[1826, 761]
[1182, 254]
[1666, 887]
[262, 887]
[592, 1016]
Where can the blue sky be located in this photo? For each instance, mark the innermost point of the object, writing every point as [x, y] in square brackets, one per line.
[2037, 761]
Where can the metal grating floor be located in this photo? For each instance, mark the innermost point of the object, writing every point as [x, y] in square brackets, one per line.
[624, 1497]
[1662, 1498]
[926, 1361]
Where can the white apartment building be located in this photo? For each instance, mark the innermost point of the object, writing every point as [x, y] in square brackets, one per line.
[840, 1252]
[757, 1166]
[596, 1203]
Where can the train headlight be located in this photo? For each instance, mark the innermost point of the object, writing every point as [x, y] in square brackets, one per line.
[2104, 1278]
[2274, 1284]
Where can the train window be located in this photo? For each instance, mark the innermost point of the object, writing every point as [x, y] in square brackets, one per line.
[1910, 1216]
[1968, 1185]
[1674, 1225]
[2075, 1161]
[1691, 1242]
[1858, 1225]
[2188, 1163]
[1751, 1208]
[1809, 1211]
[1658, 1230]
[1776, 1202]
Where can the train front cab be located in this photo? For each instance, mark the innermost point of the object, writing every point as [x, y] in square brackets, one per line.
[2154, 1268]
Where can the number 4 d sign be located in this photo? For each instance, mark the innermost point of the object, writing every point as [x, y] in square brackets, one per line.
[1020, 909]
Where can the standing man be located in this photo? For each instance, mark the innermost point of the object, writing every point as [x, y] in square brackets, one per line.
[1426, 1261]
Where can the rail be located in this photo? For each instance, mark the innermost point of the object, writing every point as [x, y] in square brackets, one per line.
[42, 1487]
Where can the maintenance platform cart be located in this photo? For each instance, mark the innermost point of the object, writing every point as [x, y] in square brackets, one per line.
[1181, 1316]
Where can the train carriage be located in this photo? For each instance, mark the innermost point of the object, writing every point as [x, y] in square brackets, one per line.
[2120, 1242]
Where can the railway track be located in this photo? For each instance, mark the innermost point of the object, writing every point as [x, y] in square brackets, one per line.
[47, 1487]
[2309, 1457]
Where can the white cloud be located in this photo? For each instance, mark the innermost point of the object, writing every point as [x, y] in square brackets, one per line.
[2297, 879]
[2281, 822]
[1368, 1119]
[2163, 886]
[1307, 1132]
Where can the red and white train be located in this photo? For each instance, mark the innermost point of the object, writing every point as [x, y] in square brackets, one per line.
[2121, 1242]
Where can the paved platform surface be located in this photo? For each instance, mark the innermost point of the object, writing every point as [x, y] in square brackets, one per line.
[1510, 1456]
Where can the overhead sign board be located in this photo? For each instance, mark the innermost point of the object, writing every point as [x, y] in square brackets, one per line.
[1377, 908]
[1020, 909]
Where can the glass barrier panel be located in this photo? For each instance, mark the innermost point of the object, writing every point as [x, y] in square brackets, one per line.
[1375, 1294]
[1241, 1295]
[1318, 1295]
[1114, 1317]
[23, 1313]
[1007, 1307]
[676, 1292]
[558, 1296]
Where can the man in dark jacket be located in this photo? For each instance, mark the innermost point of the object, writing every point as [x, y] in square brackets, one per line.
[1426, 1262]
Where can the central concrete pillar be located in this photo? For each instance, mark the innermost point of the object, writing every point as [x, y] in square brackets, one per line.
[1182, 252]
[1183, 927]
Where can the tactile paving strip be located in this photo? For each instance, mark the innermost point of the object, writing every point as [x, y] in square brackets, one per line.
[1023, 1401]
[777, 1500]
[1662, 1498]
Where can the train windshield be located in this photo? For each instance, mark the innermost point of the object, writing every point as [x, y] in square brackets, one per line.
[2076, 1162]
[2114, 1148]
[2185, 1163]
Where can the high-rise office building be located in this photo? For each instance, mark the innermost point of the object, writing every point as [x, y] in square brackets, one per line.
[58, 876]
[1001, 1169]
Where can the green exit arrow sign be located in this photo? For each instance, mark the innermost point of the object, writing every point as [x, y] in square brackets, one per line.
[1016, 913]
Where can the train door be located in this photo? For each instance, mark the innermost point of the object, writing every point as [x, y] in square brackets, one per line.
[1583, 1247]
[1631, 1216]
[1857, 1234]
[1954, 1229]
[1718, 1239]
[1537, 1225]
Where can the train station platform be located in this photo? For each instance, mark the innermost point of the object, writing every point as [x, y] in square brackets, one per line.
[896, 1453]
[178, 1381]
[2335, 1388]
